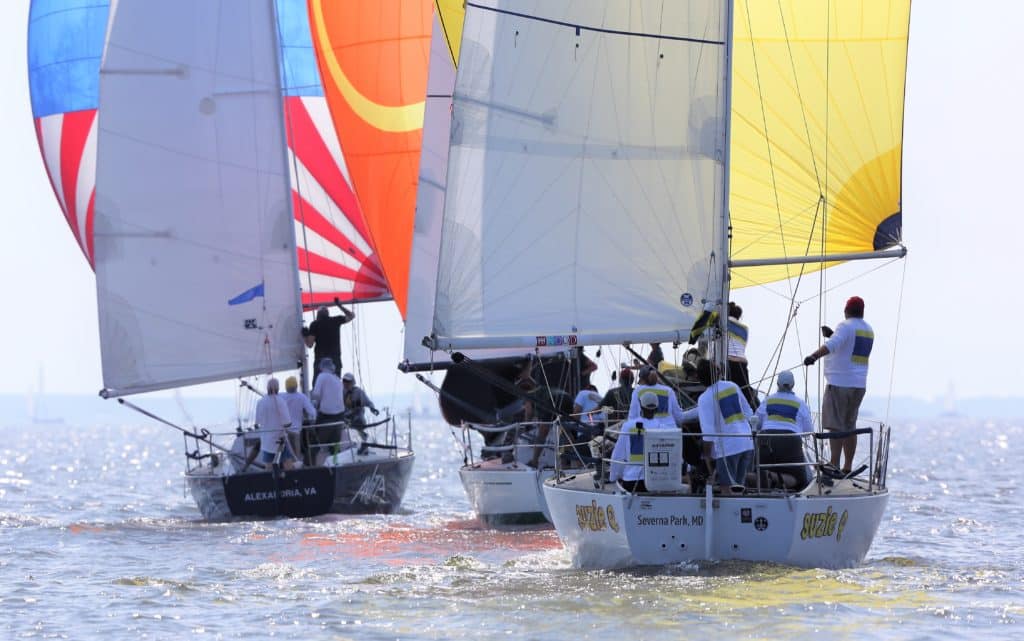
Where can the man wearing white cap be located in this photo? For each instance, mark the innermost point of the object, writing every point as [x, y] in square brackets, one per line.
[785, 414]
[356, 401]
[272, 419]
[628, 455]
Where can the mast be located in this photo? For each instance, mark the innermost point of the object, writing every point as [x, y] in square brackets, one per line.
[285, 129]
[721, 352]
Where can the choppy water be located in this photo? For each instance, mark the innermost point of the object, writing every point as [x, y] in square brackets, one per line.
[97, 540]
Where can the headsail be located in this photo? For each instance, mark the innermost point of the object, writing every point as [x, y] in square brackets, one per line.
[586, 173]
[65, 42]
[817, 131]
[373, 57]
[336, 255]
[195, 250]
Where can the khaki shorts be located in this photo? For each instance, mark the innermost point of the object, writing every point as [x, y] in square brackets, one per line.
[839, 407]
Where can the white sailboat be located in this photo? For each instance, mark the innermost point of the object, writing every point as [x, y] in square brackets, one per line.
[499, 483]
[611, 175]
[195, 241]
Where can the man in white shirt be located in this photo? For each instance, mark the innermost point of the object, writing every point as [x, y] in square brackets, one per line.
[628, 455]
[299, 409]
[272, 420]
[584, 405]
[328, 396]
[846, 375]
[725, 422]
[783, 414]
[668, 402]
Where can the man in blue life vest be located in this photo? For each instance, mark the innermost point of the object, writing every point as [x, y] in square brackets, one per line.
[846, 375]
[668, 402]
[782, 416]
[628, 455]
[725, 422]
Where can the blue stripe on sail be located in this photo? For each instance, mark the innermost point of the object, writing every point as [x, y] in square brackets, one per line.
[65, 42]
[247, 295]
[299, 73]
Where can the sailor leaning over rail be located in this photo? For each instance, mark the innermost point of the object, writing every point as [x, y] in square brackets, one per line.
[628, 455]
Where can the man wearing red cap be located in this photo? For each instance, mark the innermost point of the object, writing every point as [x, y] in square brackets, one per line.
[846, 375]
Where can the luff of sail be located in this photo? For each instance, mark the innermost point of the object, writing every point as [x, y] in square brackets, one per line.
[817, 131]
[373, 57]
[195, 253]
[336, 256]
[585, 174]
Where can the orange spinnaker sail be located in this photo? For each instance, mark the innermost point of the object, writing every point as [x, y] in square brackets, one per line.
[373, 57]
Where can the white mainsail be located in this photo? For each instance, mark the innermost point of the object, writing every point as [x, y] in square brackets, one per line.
[586, 173]
[195, 251]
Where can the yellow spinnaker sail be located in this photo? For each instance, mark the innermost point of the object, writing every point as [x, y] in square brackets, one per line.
[817, 130]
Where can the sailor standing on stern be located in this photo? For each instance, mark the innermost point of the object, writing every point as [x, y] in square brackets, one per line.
[846, 376]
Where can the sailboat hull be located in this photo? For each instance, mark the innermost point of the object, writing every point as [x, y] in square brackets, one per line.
[607, 528]
[505, 493]
[374, 486]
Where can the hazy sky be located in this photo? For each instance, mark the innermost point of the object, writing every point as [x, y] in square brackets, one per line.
[962, 160]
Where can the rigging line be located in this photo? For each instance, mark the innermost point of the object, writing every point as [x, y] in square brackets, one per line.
[823, 276]
[799, 95]
[853, 278]
[794, 305]
[581, 27]
[767, 140]
[895, 342]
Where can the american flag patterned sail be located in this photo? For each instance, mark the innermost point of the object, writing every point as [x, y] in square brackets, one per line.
[65, 44]
[336, 256]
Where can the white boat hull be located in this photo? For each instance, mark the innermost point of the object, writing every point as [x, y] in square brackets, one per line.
[607, 528]
[505, 493]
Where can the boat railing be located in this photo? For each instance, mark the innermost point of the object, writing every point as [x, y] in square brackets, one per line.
[813, 443]
[204, 447]
[511, 442]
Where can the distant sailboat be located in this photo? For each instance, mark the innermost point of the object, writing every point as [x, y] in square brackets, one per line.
[37, 405]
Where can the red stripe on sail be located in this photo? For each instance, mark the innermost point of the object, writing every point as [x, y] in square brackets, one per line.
[91, 253]
[318, 223]
[305, 141]
[53, 185]
[317, 264]
[74, 130]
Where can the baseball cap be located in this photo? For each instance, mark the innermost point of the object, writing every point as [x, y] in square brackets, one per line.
[855, 304]
[786, 379]
[649, 400]
[348, 377]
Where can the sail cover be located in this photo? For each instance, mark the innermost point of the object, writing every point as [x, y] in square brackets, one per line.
[65, 42]
[586, 172]
[335, 255]
[817, 130]
[373, 57]
[194, 237]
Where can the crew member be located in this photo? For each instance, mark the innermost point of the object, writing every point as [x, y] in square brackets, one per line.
[846, 375]
[784, 414]
[326, 336]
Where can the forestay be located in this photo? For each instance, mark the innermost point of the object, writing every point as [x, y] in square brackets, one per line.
[817, 131]
[195, 251]
[586, 173]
